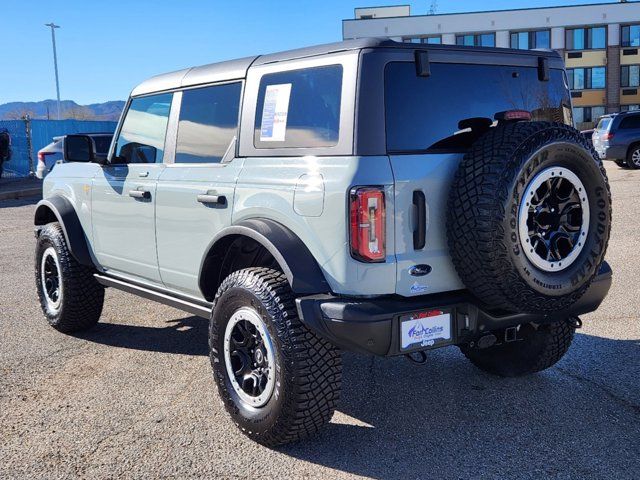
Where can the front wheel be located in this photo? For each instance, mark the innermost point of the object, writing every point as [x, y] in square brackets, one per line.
[70, 297]
[279, 381]
[536, 348]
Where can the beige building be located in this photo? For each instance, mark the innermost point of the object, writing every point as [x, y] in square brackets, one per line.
[600, 43]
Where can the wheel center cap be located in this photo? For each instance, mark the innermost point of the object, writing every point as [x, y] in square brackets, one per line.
[258, 356]
[549, 218]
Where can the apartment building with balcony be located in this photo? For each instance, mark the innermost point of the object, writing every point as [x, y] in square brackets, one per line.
[600, 43]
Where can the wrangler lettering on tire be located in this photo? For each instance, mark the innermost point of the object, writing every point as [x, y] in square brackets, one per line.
[528, 217]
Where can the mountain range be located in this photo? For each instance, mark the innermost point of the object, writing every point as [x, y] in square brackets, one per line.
[68, 109]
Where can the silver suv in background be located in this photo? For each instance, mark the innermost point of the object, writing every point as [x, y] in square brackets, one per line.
[54, 152]
[617, 138]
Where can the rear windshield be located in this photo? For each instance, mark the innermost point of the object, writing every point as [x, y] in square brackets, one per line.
[457, 103]
[604, 123]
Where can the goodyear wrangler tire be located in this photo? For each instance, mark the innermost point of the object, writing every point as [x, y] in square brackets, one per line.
[71, 299]
[279, 381]
[529, 217]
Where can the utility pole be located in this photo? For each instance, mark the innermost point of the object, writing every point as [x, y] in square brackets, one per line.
[55, 60]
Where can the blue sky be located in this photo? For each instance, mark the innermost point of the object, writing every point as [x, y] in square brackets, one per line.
[106, 47]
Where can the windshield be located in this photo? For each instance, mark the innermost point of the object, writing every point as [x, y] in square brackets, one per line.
[457, 103]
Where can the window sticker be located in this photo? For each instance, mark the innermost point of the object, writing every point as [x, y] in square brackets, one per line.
[274, 113]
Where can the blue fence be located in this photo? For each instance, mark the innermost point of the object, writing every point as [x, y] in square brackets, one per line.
[29, 136]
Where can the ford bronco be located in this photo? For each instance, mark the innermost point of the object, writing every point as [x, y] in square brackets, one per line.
[366, 196]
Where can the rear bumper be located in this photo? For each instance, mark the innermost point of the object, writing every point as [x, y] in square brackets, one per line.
[372, 326]
[612, 152]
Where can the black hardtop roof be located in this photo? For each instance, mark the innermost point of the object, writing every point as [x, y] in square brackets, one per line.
[374, 42]
[237, 69]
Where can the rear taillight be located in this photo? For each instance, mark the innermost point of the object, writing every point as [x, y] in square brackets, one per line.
[367, 220]
[42, 155]
[607, 136]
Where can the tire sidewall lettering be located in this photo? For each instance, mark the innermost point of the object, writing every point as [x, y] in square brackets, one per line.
[582, 164]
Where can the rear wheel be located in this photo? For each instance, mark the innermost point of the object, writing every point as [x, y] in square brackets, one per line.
[633, 157]
[536, 348]
[279, 381]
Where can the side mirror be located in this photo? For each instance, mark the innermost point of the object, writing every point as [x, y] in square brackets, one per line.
[79, 148]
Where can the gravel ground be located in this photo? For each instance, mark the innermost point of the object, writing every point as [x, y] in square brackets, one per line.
[135, 397]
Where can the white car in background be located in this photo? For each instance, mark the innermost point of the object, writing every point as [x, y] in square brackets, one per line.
[54, 152]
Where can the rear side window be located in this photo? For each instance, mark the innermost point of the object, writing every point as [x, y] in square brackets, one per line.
[299, 108]
[630, 122]
[604, 123]
[144, 129]
[208, 122]
[450, 109]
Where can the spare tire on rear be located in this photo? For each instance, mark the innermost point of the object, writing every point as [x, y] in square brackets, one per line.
[529, 217]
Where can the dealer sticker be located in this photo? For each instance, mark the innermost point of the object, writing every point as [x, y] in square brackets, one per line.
[274, 113]
[425, 329]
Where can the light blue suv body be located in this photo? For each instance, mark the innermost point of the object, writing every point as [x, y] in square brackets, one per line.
[368, 195]
[196, 166]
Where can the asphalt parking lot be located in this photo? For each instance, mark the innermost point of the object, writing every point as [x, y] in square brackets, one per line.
[135, 397]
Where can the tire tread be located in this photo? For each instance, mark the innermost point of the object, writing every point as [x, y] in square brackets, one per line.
[313, 365]
[83, 296]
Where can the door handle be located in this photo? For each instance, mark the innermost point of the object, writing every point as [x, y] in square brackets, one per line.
[420, 228]
[212, 199]
[143, 174]
[140, 194]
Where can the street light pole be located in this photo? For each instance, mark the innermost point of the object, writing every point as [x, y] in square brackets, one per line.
[55, 60]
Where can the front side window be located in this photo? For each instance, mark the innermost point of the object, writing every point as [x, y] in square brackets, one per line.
[592, 38]
[208, 122]
[299, 108]
[630, 76]
[631, 36]
[144, 129]
[422, 114]
[587, 78]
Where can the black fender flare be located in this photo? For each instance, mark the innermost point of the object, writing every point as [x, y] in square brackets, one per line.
[294, 258]
[61, 210]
